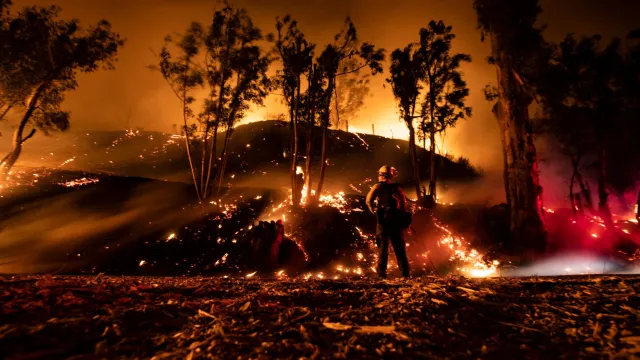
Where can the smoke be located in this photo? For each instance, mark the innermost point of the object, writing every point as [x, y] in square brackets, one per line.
[35, 238]
[575, 263]
[486, 190]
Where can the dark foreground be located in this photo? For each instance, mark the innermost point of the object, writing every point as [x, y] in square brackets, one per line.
[431, 318]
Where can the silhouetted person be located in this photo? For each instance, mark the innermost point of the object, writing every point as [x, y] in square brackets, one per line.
[386, 200]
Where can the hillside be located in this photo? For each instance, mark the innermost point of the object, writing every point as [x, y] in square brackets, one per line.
[258, 155]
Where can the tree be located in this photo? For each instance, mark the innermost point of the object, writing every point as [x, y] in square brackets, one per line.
[590, 111]
[345, 56]
[313, 101]
[41, 58]
[296, 55]
[349, 95]
[518, 53]
[405, 80]
[444, 101]
[226, 57]
[183, 75]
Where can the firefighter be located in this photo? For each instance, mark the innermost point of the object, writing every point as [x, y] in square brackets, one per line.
[387, 202]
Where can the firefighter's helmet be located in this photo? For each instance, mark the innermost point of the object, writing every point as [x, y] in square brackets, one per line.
[388, 172]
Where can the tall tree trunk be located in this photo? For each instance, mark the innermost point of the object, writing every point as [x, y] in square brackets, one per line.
[18, 140]
[325, 125]
[432, 161]
[186, 136]
[295, 194]
[574, 206]
[213, 151]
[585, 193]
[414, 158]
[307, 169]
[524, 192]
[603, 195]
[203, 189]
[223, 164]
[498, 114]
[323, 158]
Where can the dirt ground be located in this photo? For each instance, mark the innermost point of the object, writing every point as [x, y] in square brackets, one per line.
[102, 317]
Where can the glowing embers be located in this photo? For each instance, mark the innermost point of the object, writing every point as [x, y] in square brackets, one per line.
[79, 182]
[473, 262]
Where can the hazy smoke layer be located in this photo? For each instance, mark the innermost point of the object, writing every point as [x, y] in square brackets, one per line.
[58, 224]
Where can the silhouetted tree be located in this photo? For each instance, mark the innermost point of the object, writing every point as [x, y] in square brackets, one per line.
[227, 58]
[589, 107]
[296, 55]
[444, 101]
[249, 66]
[313, 102]
[345, 56]
[349, 95]
[183, 75]
[518, 53]
[405, 80]
[41, 58]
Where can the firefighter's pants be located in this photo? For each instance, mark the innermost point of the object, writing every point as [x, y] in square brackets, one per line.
[384, 235]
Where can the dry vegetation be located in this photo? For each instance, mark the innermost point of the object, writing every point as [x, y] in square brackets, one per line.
[144, 317]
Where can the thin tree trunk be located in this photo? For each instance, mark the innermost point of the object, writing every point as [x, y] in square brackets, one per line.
[432, 162]
[295, 194]
[186, 137]
[213, 151]
[574, 207]
[323, 159]
[224, 159]
[12, 157]
[585, 193]
[524, 192]
[203, 189]
[335, 92]
[603, 196]
[414, 158]
[325, 125]
[307, 170]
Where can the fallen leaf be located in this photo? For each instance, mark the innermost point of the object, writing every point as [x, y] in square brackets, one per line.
[246, 306]
[336, 326]
[376, 329]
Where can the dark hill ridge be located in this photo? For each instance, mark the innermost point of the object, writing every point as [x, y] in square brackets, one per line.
[258, 154]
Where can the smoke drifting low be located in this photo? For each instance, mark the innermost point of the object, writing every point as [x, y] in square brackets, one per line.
[576, 263]
[38, 236]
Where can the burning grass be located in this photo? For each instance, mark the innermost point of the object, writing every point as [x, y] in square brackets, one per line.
[145, 317]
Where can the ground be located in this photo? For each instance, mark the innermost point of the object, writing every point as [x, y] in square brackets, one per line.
[429, 317]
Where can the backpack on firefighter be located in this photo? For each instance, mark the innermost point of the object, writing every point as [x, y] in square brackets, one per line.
[392, 212]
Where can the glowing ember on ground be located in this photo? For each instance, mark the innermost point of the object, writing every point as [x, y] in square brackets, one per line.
[251, 274]
[79, 182]
[474, 263]
[170, 237]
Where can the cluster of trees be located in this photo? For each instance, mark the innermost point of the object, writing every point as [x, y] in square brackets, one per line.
[591, 106]
[225, 61]
[588, 100]
[427, 83]
[588, 93]
[40, 60]
[311, 102]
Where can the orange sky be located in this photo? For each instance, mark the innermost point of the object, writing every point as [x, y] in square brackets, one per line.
[104, 99]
